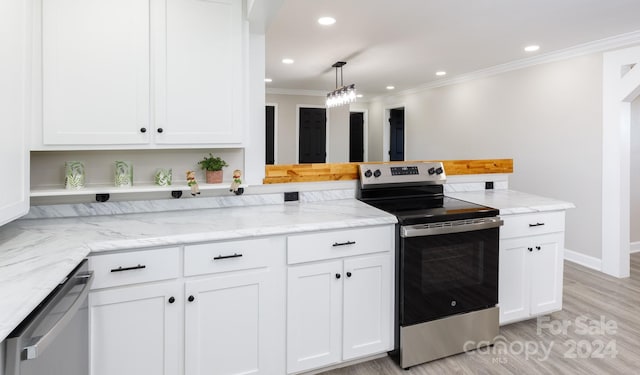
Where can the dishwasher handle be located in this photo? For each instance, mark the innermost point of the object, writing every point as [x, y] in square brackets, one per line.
[86, 278]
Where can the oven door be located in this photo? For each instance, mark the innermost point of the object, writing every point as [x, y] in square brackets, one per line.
[448, 268]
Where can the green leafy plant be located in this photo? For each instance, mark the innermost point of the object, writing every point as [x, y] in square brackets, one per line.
[212, 163]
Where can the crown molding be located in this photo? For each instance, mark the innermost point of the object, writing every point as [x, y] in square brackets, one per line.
[277, 91]
[601, 45]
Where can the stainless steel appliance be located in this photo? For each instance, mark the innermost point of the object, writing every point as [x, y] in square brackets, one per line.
[446, 262]
[54, 338]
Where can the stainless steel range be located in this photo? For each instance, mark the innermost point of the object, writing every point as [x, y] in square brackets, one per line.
[446, 262]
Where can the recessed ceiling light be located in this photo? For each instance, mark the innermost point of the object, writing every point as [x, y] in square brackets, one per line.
[441, 73]
[326, 21]
[359, 96]
[268, 80]
[287, 61]
[390, 87]
[532, 48]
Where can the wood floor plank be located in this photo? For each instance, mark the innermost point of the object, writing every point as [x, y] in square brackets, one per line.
[590, 297]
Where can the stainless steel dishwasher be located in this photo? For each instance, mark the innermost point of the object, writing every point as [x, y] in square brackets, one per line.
[54, 338]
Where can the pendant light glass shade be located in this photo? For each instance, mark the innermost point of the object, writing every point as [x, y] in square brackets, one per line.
[342, 94]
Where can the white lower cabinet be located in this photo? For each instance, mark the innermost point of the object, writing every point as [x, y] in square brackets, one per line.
[367, 306]
[135, 330]
[338, 310]
[314, 315]
[233, 323]
[223, 314]
[531, 266]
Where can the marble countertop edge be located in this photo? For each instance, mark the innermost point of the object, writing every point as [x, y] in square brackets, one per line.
[224, 235]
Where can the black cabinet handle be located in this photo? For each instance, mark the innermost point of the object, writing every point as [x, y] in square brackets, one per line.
[536, 225]
[235, 255]
[530, 249]
[538, 248]
[348, 274]
[191, 298]
[120, 269]
[344, 243]
[172, 300]
[337, 275]
[160, 130]
[143, 130]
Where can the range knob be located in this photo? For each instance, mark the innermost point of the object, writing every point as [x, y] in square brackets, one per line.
[368, 173]
[439, 170]
[431, 171]
[377, 173]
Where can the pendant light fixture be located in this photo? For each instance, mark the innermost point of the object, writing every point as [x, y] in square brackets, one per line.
[342, 94]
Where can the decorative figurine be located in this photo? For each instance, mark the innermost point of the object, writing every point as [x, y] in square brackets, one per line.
[123, 173]
[192, 183]
[74, 175]
[163, 177]
[235, 185]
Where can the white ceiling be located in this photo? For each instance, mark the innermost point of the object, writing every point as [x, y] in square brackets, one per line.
[404, 42]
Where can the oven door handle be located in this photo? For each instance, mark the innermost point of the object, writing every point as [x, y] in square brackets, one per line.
[450, 227]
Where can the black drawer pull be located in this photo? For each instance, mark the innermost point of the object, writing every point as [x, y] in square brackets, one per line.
[536, 225]
[344, 243]
[120, 269]
[235, 255]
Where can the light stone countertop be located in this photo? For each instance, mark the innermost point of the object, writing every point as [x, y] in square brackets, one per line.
[35, 255]
[511, 202]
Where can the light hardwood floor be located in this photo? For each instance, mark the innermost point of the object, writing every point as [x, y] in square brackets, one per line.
[590, 297]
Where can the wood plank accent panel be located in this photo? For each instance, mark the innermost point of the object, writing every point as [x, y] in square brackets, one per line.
[276, 174]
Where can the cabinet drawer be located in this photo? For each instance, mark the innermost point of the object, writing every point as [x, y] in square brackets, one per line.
[532, 224]
[134, 267]
[337, 244]
[232, 255]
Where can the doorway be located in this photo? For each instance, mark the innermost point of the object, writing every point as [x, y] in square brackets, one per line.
[312, 136]
[270, 134]
[396, 134]
[356, 137]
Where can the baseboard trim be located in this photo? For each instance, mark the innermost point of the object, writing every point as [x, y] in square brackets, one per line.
[583, 260]
[634, 247]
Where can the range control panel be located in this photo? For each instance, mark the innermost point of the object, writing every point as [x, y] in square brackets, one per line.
[403, 172]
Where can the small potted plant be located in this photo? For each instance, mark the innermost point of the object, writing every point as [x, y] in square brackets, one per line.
[212, 165]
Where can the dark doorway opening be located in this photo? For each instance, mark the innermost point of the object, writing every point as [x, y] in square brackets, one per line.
[270, 134]
[313, 135]
[356, 136]
[396, 134]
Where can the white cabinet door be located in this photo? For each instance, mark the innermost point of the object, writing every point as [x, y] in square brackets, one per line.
[135, 330]
[199, 86]
[95, 72]
[367, 306]
[546, 274]
[233, 324]
[15, 46]
[514, 280]
[531, 271]
[314, 315]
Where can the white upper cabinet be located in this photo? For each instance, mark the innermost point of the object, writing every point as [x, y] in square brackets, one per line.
[95, 72]
[199, 89]
[141, 74]
[14, 106]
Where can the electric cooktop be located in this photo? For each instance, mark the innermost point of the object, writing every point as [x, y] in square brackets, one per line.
[413, 192]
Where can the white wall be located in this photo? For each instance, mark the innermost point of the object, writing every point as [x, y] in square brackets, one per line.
[338, 130]
[548, 118]
[635, 171]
